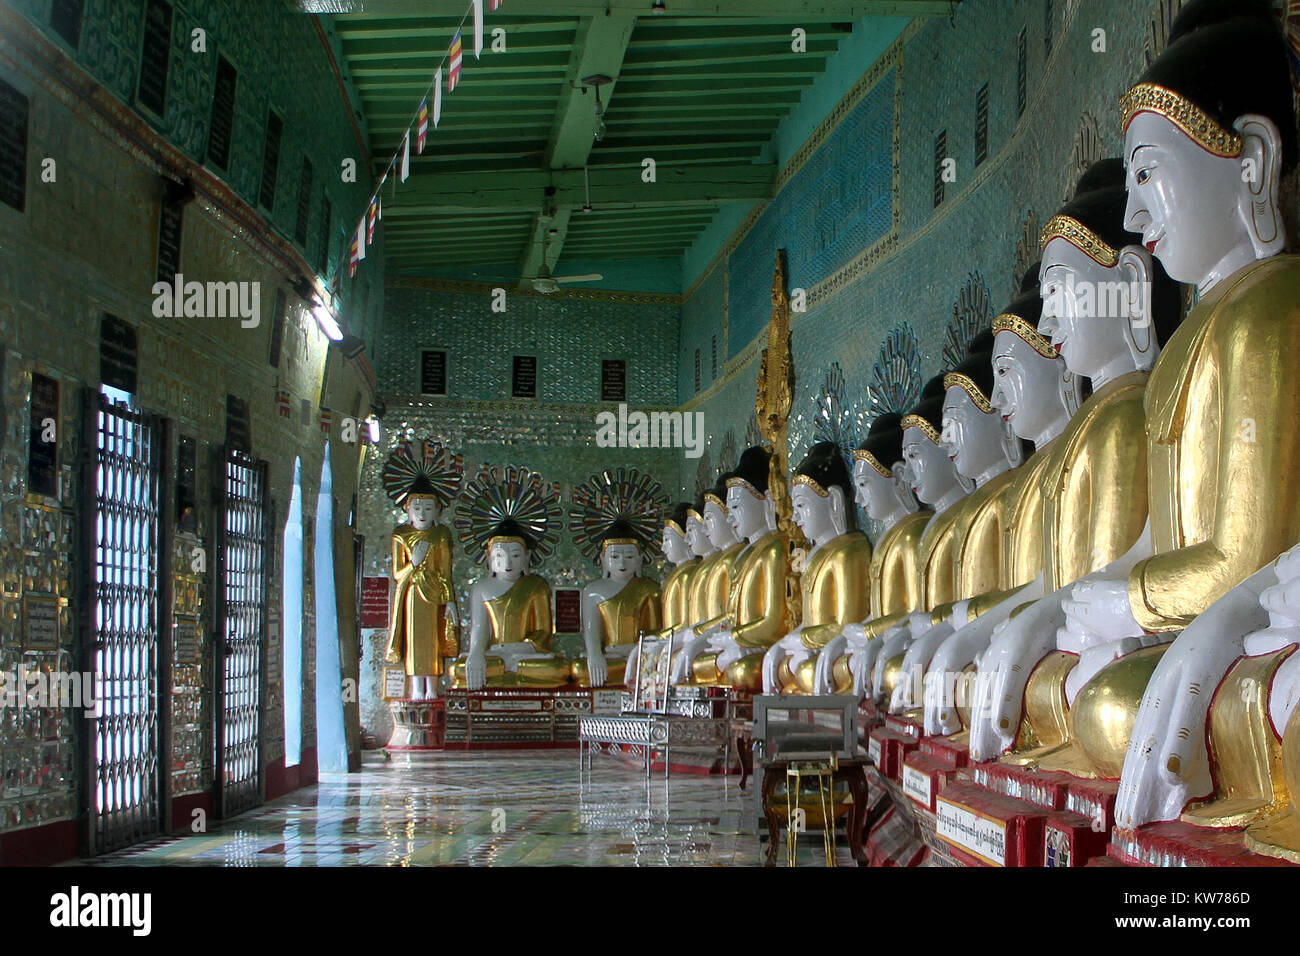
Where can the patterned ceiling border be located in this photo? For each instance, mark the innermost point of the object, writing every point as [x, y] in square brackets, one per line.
[485, 288]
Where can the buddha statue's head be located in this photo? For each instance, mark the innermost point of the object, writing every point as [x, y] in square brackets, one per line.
[675, 546]
[697, 532]
[1027, 372]
[1209, 131]
[929, 470]
[620, 551]
[508, 550]
[717, 518]
[879, 472]
[821, 493]
[1107, 305]
[749, 507]
[972, 429]
[423, 504]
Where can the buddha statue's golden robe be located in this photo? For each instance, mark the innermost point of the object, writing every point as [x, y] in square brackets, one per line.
[1222, 452]
[624, 617]
[895, 591]
[1094, 506]
[755, 608]
[1279, 834]
[677, 594]
[522, 614]
[712, 587]
[420, 635]
[836, 591]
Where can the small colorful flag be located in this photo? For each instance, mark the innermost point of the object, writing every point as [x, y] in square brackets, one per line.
[380, 217]
[282, 400]
[422, 129]
[352, 259]
[453, 71]
[361, 239]
[437, 96]
[406, 157]
[478, 28]
[370, 222]
[494, 4]
[326, 417]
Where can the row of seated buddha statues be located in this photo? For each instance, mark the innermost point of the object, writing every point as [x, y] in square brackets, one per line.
[1112, 590]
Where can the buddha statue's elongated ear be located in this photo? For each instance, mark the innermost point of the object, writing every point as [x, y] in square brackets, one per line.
[902, 488]
[839, 513]
[1138, 273]
[1261, 175]
[769, 511]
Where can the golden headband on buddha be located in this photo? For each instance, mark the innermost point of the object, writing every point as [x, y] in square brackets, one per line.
[670, 523]
[506, 539]
[811, 483]
[692, 513]
[1183, 113]
[735, 482]
[967, 385]
[710, 496]
[861, 454]
[916, 421]
[1009, 322]
[1082, 238]
[608, 542]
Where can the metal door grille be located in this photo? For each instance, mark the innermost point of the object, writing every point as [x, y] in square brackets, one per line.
[125, 655]
[241, 623]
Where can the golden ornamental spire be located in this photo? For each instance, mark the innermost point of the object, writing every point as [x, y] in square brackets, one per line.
[772, 407]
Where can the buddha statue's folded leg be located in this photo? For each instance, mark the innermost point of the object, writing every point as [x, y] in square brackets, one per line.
[893, 646]
[1167, 764]
[545, 670]
[908, 692]
[496, 670]
[742, 670]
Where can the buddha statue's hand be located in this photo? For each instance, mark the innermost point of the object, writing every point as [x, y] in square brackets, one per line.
[1018, 644]
[1167, 764]
[855, 635]
[418, 552]
[823, 676]
[772, 658]
[597, 670]
[1098, 611]
[1282, 599]
[476, 671]
[691, 650]
[947, 684]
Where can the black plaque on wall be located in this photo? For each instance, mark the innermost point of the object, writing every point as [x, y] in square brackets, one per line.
[13, 147]
[613, 380]
[43, 437]
[65, 19]
[523, 380]
[433, 372]
[238, 427]
[223, 113]
[169, 241]
[270, 159]
[154, 56]
[117, 353]
[187, 466]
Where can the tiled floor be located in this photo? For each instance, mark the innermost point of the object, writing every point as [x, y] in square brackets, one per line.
[504, 808]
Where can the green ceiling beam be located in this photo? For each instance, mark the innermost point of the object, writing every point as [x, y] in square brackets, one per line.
[793, 11]
[599, 46]
[611, 188]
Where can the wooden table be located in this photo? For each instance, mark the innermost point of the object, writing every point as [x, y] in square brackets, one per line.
[849, 770]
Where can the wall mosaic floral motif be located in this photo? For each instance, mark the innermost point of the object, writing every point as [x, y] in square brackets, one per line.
[972, 313]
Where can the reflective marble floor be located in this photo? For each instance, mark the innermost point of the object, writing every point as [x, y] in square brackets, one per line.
[504, 808]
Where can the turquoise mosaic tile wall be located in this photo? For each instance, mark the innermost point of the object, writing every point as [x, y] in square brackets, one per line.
[988, 222]
[291, 76]
[569, 336]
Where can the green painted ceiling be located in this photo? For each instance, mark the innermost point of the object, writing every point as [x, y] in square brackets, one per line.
[501, 181]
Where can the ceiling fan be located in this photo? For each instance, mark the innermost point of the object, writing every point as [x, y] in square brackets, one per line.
[547, 284]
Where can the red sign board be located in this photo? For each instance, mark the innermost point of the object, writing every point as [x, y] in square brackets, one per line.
[374, 602]
[568, 611]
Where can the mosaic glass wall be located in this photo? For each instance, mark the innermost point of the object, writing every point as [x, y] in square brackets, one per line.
[986, 225]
